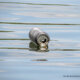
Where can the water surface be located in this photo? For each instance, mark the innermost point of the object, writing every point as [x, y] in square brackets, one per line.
[60, 19]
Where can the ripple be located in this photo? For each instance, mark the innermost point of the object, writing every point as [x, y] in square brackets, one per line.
[48, 14]
[65, 50]
[39, 60]
[58, 64]
[38, 4]
[14, 39]
[13, 48]
[37, 23]
[6, 31]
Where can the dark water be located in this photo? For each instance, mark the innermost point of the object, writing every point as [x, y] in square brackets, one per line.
[60, 19]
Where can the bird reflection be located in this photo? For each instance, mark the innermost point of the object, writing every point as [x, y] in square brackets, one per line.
[34, 47]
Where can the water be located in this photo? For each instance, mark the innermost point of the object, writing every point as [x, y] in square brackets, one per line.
[60, 19]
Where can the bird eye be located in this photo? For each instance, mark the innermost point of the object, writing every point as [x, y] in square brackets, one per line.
[44, 40]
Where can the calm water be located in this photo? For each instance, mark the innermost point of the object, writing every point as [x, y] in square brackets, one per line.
[60, 19]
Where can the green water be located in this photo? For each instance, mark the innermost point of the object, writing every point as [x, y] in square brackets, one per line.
[60, 19]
